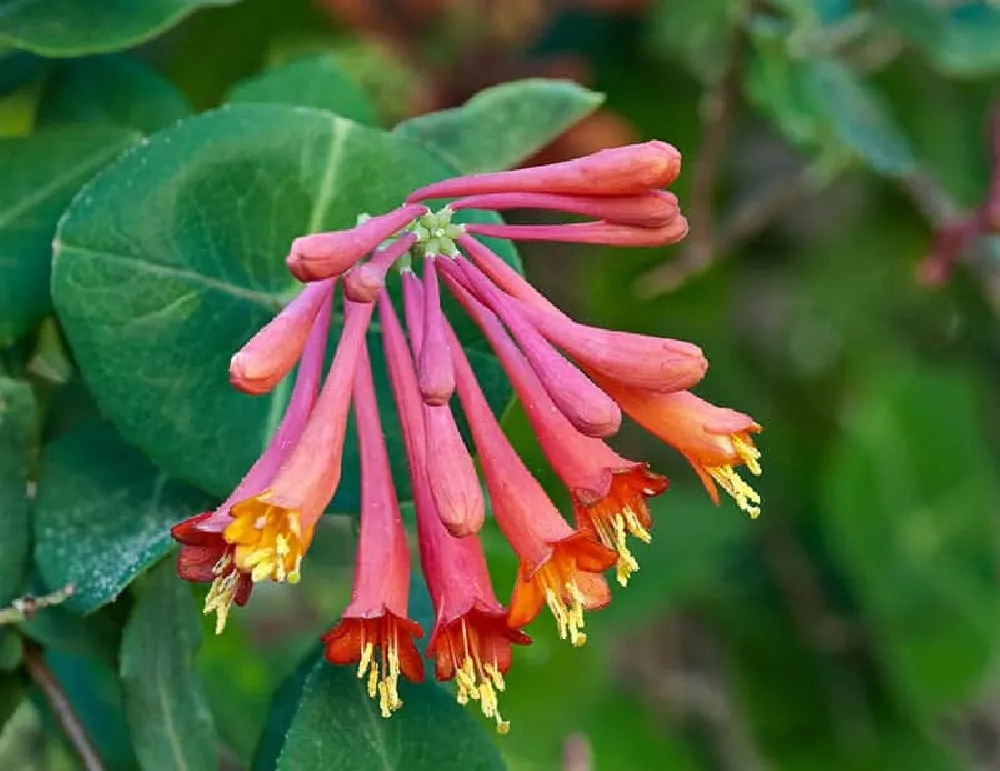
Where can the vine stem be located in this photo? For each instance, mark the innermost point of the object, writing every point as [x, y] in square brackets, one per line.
[55, 697]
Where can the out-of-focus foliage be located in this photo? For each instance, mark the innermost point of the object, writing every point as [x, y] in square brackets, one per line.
[842, 274]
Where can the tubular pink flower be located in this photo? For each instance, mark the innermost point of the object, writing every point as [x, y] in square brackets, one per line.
[363, 282]
[616, 171]
[322, 255]
[377, 614]
[502, 274]
[272, 530]
[595, 232]
[271, 353]
[652, 209]
[609, 492]
[714, 440]
[657, 363]
[652, 362]
[435, 373]
[471, 639]
[205, 555]
[452, 480]
[559, 566]
[587, 407]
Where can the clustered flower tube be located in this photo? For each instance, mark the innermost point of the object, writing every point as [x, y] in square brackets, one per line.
[574, 381]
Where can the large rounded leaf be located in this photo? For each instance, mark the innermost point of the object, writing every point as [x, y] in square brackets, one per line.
[41, 173]
[76, 27]
[117, 89]
[168, 719]
[308, 81]
[329, 722]
[103, 514]
[174, 257]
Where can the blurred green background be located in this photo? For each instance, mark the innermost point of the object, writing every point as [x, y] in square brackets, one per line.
[833, 150]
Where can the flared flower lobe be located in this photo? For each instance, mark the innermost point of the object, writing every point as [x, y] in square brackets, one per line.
[205, 555]
[714, 440]
[568, 581]
[383, 648]
[376, 617]
[619, 512]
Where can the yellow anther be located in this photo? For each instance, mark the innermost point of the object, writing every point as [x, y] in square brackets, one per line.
[373, 680]
[384, 688]
[268, 540]
[475, 679]
[748, 453]
[744, 495]
[222, 592]
[566, 605]
[367, 651]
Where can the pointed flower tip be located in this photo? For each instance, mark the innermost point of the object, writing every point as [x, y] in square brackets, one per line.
[323, 255]
[271, 353]
[363, 283]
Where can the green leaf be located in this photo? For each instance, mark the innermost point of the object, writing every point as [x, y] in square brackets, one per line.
[78, 27]
[103, 514]
[338, 726]
[58, 628]
[15, 68]
[11, 693]
[308, 81]
[779, 87]
[909, 496]
[18, 446]
[960, 38]
[860, 119]
[170, 725]
[41, 173]
[822, 105]
[116, 89]
[196, 264]
[95, 694]
[502, 126]
[284, 705]
[695, 32]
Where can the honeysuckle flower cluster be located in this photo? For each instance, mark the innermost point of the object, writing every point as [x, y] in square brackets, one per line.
[573, 380]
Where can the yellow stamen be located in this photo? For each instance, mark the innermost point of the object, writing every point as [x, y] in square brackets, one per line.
[268, 540]
[385, 688]
[477, 680]
[612, 528]
[222, 592]
[748, 453]
[729, 480]
[565, 600]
